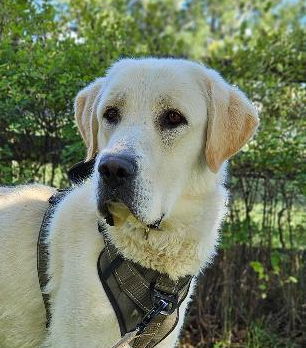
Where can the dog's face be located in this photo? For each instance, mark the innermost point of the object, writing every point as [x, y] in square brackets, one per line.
[157, 124]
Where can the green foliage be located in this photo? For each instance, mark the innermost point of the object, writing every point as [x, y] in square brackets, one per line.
[258, 336]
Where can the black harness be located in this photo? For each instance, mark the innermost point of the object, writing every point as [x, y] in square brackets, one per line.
[145, 301]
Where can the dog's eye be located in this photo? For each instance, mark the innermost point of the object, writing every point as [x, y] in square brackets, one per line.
[112, 115]
[172, 119]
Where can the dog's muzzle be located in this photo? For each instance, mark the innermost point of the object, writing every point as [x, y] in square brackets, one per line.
[117, 184]
[117, 176]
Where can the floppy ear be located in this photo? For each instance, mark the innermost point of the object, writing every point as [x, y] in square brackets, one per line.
[232, 120]
[85, 108]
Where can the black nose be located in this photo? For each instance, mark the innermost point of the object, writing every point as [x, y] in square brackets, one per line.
[117, 170]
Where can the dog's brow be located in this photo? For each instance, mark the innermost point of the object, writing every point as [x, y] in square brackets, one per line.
[116, 99]
[166, 101]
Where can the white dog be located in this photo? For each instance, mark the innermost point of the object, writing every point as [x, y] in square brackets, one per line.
[161, 130]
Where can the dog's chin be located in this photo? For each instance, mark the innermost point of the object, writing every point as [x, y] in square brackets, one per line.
[117, 214]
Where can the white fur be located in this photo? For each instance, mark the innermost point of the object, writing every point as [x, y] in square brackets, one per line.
[174, 179]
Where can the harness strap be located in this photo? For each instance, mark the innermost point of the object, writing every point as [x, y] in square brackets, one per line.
[81, 171]
[135, 292]
[76, 174]
[42, 249]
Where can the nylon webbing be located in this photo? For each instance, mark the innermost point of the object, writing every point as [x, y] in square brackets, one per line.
[138, 284]
[42, 249]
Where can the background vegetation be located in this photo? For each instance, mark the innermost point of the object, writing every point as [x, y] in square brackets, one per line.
[253, 294]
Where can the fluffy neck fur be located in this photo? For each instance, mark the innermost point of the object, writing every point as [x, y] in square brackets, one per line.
[186, 241]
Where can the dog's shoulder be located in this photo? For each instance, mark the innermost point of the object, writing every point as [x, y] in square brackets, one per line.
[30, 190]
[23, 205]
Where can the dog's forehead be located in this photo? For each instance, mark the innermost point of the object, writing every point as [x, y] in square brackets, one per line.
[154, 79]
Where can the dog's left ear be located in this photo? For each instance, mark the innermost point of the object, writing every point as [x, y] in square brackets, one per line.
[232, 120]
[85, 107]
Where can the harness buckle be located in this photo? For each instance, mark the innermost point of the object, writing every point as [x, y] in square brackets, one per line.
[157, 309]
[163, 303]
[170, 299]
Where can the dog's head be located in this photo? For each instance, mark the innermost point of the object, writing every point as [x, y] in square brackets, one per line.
[155, 124]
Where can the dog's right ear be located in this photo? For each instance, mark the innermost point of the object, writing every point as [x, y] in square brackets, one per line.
[85, 111]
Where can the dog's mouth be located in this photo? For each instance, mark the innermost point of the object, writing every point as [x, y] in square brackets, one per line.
[117, 213]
